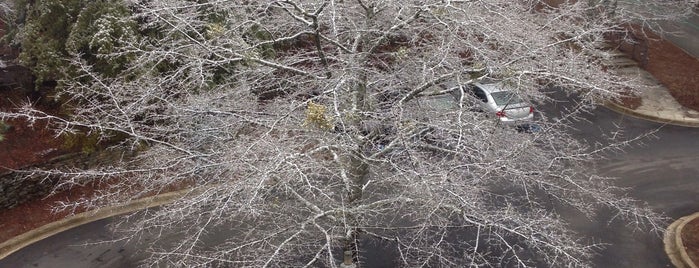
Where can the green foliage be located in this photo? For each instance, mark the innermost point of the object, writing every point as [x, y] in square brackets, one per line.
[100, 28]
[87, 143]
[42, 37]
[50, 32]
[256, 34]
[4, 127]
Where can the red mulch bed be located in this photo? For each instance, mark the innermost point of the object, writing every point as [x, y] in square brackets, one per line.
[690, 239]
[25, 145]
[673, 67]
[31, 215]
[676, 69]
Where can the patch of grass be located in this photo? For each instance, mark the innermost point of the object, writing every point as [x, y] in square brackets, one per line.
[4, 128]
[87, 143]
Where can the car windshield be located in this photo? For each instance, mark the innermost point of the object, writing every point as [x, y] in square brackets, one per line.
[503, 98]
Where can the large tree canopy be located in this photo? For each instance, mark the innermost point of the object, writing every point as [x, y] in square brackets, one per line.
[308, 128]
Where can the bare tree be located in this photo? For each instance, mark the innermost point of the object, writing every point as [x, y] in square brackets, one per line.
[312, 128]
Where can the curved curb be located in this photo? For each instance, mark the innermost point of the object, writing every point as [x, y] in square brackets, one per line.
[674, 248]
[623, 110]
[16, 243]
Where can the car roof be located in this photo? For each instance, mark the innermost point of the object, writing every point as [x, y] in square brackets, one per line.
[487, 84]
[491, 87]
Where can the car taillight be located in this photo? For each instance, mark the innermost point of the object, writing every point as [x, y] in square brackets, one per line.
[501, 114]
[531, 109]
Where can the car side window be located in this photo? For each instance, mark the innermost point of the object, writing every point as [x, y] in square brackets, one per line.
[479, 93]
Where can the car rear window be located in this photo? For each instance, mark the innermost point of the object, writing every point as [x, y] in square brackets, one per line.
[502, 98]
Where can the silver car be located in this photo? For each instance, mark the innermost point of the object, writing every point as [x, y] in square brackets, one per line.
[495, 98]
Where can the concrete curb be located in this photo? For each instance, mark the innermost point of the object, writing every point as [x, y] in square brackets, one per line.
[621, 109]
[16, 243]
[674, 248]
